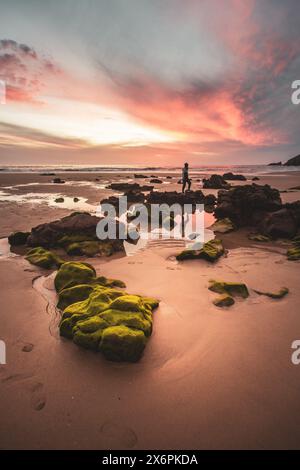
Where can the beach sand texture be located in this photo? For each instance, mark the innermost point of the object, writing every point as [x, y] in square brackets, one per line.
[209, 377]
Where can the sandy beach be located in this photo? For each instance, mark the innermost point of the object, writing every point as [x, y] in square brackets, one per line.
[209, 378]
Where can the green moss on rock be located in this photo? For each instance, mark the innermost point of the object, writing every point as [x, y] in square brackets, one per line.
[74, 294]
[293, 254]
[99, 316]
[73, 273]
[120, 343]
[211, 251]
[257, 237]
[223, 226]
[43, 258]
[274, 295]
[231, 288]
[224, 300]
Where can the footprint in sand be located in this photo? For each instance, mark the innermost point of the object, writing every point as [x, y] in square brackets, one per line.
[28, 347]
[38, 398]
[116, 435]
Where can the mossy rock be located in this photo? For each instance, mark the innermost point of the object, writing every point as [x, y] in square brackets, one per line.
[98, 316]
[257, 237]
[231, 288]
[120, 343]
[66, 240]
[88, 340]
[293, 254]
[274, 295]
[211, 251]
[224, 300]
[74, 294]
[18, 238]
[59, 200]
[104, 281]
[73, 273]
[135, 320]
[223, 226]
[43, 258]
[84, 248]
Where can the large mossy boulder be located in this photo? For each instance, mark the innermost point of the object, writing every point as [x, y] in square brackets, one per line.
[18, 238]
[98, 315]
[43, 258]
[238, 289]
[76, 234]
[211, 251]
[73, 273]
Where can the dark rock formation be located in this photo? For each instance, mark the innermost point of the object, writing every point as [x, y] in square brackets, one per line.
[246, 205]
[275, 164]
[18, 238]
[73, 233]
[232, 177]
[279, 224]
[58, 181]
[215, 182]
[295, 161]
[156, 181]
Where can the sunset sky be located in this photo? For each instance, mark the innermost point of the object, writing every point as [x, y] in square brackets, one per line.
[149, 82]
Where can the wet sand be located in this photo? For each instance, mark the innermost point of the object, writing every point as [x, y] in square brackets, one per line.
[209, 378]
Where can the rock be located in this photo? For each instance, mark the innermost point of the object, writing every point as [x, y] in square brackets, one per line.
[215, 182]
[103, 318]
[47, 174]
[43, 258]
[232, 177]
[257, 237]
[126, 187]
[224, 300]
[18, 238]
[139, 176]
[255, 178]
[169, 177]
[156, 181]
[231, 288]
[211, 251]
[174, 197]
[279, 224]
[120, 343]
[75, 199]
[91, 248]
[71, 295]
[293, 254]
[73, 273]
[59, 199]
[295, 161]
[75, 228]
[210, 200]
[58, 181]
[275, 164]
[274, 295]
[247, 205]
[223, 226]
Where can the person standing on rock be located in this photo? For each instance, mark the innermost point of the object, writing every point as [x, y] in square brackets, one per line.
[185, 177]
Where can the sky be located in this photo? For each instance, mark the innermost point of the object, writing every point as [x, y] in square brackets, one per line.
[149, 82]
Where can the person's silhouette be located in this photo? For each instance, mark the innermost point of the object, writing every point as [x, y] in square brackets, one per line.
[185, 177]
